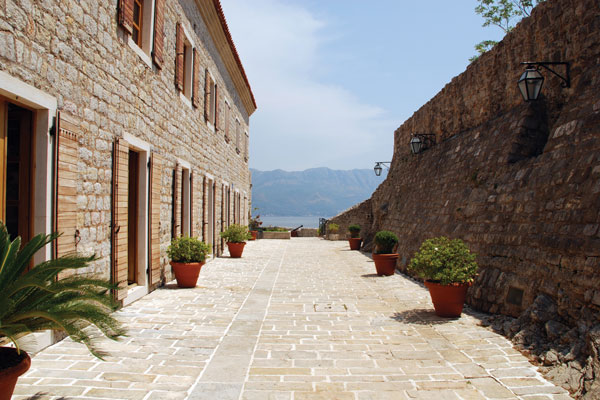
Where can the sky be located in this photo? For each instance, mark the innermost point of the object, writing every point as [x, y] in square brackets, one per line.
[333, 79]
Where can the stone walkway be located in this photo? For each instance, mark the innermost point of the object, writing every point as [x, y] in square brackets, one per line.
[297, 319]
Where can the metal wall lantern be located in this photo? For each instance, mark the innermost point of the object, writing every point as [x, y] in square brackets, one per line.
[531, 81]
[378, 165]
[421, 141]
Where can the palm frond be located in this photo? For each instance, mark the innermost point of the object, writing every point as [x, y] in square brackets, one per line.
[36, 300]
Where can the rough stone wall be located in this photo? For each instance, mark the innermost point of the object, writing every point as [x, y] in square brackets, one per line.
[520, 183]
[75, 51]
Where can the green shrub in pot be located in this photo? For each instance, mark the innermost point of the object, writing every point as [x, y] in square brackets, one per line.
[187, 249]
[385, 242]
[236, 234]
[354, 230]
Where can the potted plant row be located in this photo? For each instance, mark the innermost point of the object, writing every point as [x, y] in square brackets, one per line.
[235, 236]
[448, 268]
[355, 239]
[188, 255]
[36, 300]
[384, 254]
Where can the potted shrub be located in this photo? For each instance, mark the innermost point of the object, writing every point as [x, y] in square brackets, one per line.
[236, 236]
[36, 300]
[448, 268]
[187, 255]
[355, 239]
[254, 226]
[333, 231]
[384, 256]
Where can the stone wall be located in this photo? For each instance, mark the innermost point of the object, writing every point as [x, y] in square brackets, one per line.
[75, 51]
[520, 183]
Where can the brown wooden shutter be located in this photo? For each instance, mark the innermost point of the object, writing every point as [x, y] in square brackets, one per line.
[191, 220]
[207, 89]
[176, 231]
[120, 216]
[196, 84]
[156, 168]
[159, 34]
[205, 209]
[66, 187]
[179, 49]
[217, 125]
[126, 15]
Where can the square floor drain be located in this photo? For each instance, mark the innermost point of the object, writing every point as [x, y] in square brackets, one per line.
[330, 307]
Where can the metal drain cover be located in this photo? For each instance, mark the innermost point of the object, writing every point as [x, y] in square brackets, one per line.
[330, 307]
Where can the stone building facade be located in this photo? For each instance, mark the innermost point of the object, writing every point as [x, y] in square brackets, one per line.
[519, 182]
[123, 124]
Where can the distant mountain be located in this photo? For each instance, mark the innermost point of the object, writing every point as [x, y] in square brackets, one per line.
[314, 192]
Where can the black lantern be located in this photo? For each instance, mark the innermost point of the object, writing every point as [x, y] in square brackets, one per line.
[416, 144]
[530, 84]
[377, 168]
[421, 141]
[531, 81]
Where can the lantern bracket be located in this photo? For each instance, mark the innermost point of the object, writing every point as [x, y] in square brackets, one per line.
[424, 141]
[538, 65]
[378, 165]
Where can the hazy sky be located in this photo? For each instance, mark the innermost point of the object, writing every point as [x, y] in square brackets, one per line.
[333, 79]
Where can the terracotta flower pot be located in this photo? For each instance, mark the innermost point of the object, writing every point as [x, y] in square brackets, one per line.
[235, 249]
[10, 374]
[355, 243]
[447, 300]
[254, 235]
[385, 264]
[186, 274]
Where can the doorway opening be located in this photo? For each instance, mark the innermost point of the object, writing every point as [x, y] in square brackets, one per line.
[16, 170]
[133, 199]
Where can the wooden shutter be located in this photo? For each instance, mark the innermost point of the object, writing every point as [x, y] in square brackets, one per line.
[156, 168]
[176, 226]
[205, 209]
[120, 216]
[217, 125]
[179, 49]
[65, 192]
[191, 199]
[207, 89]
[159, 34]
[126, 15]
[196, 84]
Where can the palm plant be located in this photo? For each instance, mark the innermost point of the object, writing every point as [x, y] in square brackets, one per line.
[36, 300]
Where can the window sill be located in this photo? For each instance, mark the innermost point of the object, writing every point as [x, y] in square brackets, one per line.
[185, 100]
[141, 53]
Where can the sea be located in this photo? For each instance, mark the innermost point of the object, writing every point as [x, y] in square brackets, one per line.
[290, 222]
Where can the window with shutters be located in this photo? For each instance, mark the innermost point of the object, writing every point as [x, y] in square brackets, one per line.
[227, 122]
[143, 21]
[238, 134]
[185, 64]
[246, 145]
[211, 92]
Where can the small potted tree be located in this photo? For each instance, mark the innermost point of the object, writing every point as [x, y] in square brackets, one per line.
[236, 236]
[384, 256]
[254, 226]
[187, 255]
[355, 239]
[35, 300]
[333, 229]
[448, 268]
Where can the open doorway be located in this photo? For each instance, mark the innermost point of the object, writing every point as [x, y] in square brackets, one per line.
[16, 138]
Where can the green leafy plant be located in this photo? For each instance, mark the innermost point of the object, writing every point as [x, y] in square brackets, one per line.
[254, 223]
[36, 300]
[275, 229]
[354, 230]
[444, 261]
[385, 242]
[236, 234]
[504, 14]
[187, 249]
[333, 228]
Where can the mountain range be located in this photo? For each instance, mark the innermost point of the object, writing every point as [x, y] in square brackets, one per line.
[319, 192]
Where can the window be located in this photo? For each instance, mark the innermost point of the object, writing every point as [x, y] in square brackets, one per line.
[143, 20]
[210, 99]
[184, 60]
[138, 12]
[237, 135]
[227, 120]
[246, 145]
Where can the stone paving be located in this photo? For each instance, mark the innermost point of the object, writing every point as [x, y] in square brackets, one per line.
[299, 319]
